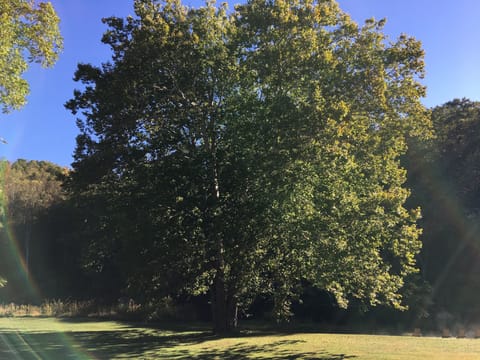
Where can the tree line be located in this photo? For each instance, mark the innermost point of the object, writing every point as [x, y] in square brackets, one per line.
[253, 153]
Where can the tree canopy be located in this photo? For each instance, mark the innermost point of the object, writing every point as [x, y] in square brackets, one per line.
[30, 33]
[243, 153]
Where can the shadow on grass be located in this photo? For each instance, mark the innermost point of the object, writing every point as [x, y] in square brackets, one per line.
[267, 351]
[133, 342]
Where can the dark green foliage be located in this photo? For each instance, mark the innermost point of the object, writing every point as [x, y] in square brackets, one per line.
[444, 176]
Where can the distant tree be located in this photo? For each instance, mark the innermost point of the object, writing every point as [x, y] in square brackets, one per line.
[457, 126]
[30, 190]
[444, 174]
[29, 34]
[241, 154]
[31, 187]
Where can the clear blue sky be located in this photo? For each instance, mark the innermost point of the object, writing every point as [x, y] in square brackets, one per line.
[44, 130]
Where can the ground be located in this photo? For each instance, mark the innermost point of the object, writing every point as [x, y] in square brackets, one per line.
[48, 338]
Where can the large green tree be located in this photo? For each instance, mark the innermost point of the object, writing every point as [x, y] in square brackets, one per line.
[243, 153]
[29, 33]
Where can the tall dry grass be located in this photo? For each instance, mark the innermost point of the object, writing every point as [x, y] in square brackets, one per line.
[70, 308]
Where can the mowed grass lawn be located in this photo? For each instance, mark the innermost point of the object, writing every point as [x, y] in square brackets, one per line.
[46, 338]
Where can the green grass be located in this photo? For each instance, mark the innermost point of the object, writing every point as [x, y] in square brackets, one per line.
[48, 338]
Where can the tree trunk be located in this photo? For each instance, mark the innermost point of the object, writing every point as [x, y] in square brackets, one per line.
[224, 307]
[224, 312]
[219, 305]
[232, 308]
